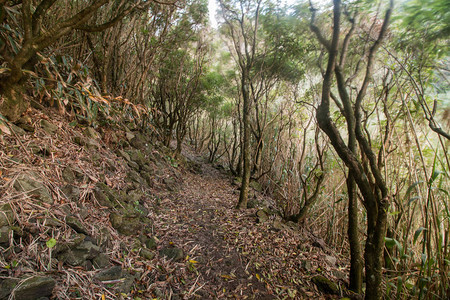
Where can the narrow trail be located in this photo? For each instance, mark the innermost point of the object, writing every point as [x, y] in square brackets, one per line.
[198, 219]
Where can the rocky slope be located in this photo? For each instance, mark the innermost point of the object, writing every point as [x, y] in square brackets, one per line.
[106, 213]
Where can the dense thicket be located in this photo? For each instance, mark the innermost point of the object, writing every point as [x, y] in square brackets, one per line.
[340, 112]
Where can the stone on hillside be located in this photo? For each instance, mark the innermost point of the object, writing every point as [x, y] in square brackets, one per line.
[89, 143]
[112, 273]
[277, 225]
[125, 286]
[138, 158]
[135, 177]
[137, 143]
[26, 124]
[32, 187]
[77, 256]
[91, 133]
[71, 244]
[72, 192]
[48, 127]
[6, 215]
[175, 254]
[17, 130]
[42, 150]
[307, 265]
[6, 287]
[68, 175]
[129, 135]
[255, 185]
[150, 243]
[147, 254]
[126, 225]
[134, 196]
[262, 216]
[105, 195]
[331, 260]
[101, 261]
[52, 222]
[76, 225]
[5, 231]
[325, 285]
[35, 286]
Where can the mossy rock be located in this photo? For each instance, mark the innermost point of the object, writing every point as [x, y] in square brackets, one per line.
[48, 127]
[35, 286]
[7, 285]
[325, 285]
[31, 186]
[6, 215]
[175, 254]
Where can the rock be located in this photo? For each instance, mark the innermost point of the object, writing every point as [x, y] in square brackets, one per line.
[147, 254]
[106, 196]
[77, 256]
[262, 216]
[307, 265]
[26, 124]
[135, 177]
[6, 215]
[339, 274]
[126, 285]
[52, 222]
[325, 285]
[137, 143]
[48, 127]
[68, 175]
[91, 144]
[138, 158]
[101, 261]
[76, 225]
[112, 273]
[17, 130]
[134, 196]
[32, 187]
[6, 287]
[255, 185]
[278, 225]
[150, 243]
[331, 260]
[72, 192]
[35, 286]
[4, 236]
[65, 246]
[42, 150]
[129, 135]
[124, 154]
[91, 133]
[126, 225]
[175, 254]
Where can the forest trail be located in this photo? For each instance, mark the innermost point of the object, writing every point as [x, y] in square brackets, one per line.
[198, 219]
[228, 254]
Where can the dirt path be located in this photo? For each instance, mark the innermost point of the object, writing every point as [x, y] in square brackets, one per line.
[197, 219]
[227, 253]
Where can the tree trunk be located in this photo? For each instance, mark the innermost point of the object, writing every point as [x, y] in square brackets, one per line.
[14, 103]
[243, 196]
[356, 262]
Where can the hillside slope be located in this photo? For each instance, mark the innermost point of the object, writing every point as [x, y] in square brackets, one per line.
[106, 213]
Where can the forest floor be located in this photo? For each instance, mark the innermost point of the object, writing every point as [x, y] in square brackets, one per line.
[235, 254]
[106, 214]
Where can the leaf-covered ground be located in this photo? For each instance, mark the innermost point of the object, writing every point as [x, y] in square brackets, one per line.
[227, 253]
[230, 254]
